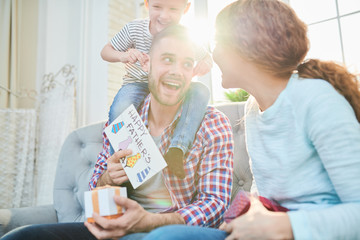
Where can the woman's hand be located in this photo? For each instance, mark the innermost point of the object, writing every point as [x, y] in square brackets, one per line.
[259, 223]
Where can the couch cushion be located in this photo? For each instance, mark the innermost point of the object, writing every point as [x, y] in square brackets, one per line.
[242, 177]
[75, 167]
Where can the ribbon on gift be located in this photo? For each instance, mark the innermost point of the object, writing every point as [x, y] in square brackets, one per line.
[95, 203]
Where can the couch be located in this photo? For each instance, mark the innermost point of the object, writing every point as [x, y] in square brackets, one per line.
[75, 165]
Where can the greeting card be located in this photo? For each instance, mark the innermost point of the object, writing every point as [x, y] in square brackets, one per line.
[128, 131]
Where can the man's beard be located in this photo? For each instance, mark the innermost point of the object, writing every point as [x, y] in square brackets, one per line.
[156, 95]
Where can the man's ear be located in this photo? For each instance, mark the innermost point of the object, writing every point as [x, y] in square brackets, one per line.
[187, 7]
[146, 2]
[146, 63]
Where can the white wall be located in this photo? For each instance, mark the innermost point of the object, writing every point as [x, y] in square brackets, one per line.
[73, 32]
[93, 70]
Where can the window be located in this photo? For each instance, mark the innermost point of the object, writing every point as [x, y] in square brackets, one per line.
[333, 29]
[201, 20]
[218, 91]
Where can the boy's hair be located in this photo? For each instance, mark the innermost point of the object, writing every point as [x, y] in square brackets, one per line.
[147, 1]
[176, 31]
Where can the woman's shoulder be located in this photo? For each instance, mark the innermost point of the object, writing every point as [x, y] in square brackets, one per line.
[311, 85]
[315, 95]
[312, 90]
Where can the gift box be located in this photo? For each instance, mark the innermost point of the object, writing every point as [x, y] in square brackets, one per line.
[101, 201]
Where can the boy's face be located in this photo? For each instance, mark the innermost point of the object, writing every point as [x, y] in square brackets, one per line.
[163, 13]
[171, 70]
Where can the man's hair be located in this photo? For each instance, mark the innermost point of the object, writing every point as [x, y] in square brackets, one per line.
[176, 31]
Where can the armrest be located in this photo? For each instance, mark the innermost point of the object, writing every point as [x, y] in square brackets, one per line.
[17, 217]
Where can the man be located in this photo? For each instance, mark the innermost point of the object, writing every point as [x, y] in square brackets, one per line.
[202, 197]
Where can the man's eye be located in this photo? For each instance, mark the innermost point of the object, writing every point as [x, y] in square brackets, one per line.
[188, 64]
[168, 60]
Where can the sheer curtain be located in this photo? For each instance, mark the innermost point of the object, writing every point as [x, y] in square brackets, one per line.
[17, 149]
[31, 138]
[17, 126]
[56, 120]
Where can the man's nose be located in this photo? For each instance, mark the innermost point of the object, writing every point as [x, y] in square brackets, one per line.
[175, 69]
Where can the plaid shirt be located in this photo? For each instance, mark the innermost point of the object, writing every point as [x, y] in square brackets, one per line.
[204, 195]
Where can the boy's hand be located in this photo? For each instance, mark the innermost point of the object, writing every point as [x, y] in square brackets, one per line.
[132, 56]
[203, 66]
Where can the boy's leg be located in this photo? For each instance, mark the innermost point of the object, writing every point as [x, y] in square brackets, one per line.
[131, 93]
[58, 231]
[192, 115]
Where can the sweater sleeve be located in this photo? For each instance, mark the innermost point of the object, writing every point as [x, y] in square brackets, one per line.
[334, 131]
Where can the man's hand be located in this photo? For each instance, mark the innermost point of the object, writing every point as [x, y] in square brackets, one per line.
[259, 223]
[115, 174]
[135, 219]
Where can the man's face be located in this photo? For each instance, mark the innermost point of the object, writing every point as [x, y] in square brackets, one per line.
[163, 13]
[171, 70]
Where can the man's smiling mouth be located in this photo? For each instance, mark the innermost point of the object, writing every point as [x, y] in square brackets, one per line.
[172, 85]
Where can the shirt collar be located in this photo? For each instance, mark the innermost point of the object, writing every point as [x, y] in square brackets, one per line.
[144, 113]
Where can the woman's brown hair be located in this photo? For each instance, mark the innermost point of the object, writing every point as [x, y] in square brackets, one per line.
[269, 34]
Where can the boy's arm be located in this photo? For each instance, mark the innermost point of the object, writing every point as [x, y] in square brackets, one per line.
[110, 54]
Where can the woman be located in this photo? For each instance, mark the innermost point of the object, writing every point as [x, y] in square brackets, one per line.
[302, 129]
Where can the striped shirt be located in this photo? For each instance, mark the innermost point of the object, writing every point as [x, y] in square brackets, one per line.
[202, 197]
[136, 34]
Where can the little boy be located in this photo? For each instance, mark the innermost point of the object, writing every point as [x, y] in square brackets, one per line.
[131, 46]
